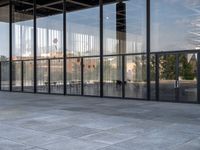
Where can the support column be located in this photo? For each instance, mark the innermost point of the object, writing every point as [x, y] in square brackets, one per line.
[198, 77]
[101, 48]
[49, 76]
[35, 47]
[0, 74]
[82, 78]
[10, 44]
[157, 76]
[22, 75]
[64, 49]
[148, 34]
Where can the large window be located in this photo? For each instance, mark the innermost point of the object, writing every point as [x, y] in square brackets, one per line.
[175, 25]
[4, 30]
[4, 46]
[49, 46]
[125, 27]
[22, 39]
[22, 30]
[49, 29]
[82, 28]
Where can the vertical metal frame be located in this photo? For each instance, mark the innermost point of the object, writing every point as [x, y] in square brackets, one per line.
[35, 46]
[64, 49]
[49, 76]
[148, 41]
[0, 75]
[157, 69]
[176, 77]
[101, 46]
[198, 77]
[123, 75]
[22, 75]
[10, 44]
[82, 78]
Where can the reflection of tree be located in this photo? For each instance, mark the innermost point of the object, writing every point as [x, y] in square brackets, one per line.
[186, 70]
[167, 67]
[144, 66]
[109, 71]
[153, 67]
[3, 58]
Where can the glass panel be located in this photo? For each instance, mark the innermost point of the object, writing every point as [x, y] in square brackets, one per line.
[16, 76]
[22, 30]
[188, 77]
[49, 29]
[135, 75]
[124, 26]
[28, 76]
[5, 78]
[91, 67]
[56, 75]
[4, 36]
[74, 76]
[174, 25]
[112, 76]
[4, 47]
[167, 79]
[42, 76]
[153, 76]
[82, 28]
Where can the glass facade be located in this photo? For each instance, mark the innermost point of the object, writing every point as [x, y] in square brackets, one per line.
[136, 49]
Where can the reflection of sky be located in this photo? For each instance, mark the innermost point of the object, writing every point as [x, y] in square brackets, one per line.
[4, 38]
[171, 23]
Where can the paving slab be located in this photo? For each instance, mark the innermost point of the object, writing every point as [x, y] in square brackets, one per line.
[56, 122]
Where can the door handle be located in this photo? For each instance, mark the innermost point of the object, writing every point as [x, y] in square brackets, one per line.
[176, 84]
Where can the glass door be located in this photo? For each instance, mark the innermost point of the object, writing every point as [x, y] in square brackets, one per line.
[74, 76]
[91, 76]
[168, 79]
[188, 77]
[178, 77]
[135, 76]
[112, 76]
